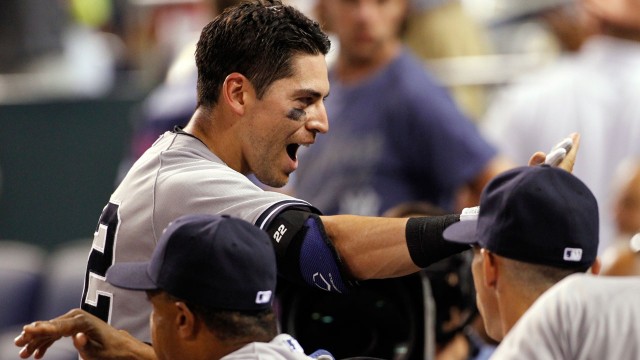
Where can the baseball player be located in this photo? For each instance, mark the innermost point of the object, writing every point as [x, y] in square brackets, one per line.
[211, 282]
[582, 317]
[262, 78]
[536, 226]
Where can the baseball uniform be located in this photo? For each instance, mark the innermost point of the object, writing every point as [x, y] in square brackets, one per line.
[178, 175]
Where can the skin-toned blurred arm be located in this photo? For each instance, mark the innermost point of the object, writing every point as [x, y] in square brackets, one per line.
[376, 248]
[469, 194]
[621, 13]
[92, 337]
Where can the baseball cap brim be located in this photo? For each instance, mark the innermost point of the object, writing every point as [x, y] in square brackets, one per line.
[463, 232]
[132, 276]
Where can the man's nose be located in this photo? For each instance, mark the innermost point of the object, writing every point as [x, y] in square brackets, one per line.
[319, 123]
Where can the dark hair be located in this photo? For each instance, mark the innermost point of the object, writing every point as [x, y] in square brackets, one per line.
[257, 39]
[229, 325]
[233, 325]
[539, 274]
[222, 5]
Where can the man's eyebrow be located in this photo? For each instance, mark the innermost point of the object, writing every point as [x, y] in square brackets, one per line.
[309, 93]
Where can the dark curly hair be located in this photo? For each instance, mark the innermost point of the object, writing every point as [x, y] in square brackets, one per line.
[257, 39]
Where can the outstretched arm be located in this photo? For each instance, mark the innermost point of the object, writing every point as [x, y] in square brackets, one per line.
[92, 337]
[371, 247]
[376, 248]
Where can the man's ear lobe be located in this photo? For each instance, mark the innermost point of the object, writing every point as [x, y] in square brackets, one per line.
[235, 91]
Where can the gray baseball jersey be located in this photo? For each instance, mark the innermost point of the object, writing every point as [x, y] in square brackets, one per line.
[582, 317]
[178, 175]
[282, 347]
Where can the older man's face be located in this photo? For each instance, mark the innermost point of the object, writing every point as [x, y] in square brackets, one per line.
[162, 323]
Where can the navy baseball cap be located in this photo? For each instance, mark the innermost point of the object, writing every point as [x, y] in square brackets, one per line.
[537, 214]
[214, 261]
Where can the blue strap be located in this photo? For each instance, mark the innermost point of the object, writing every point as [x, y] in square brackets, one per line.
[318, 259]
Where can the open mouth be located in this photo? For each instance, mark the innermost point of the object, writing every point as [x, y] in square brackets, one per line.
[292, 149]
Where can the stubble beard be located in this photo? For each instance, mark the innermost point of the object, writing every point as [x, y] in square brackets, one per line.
[270, 176]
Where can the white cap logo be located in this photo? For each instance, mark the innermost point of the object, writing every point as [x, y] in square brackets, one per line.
[470, 213]
[572, 254]
[263, 297]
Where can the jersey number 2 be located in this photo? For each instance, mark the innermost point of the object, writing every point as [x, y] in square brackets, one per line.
[94, 301]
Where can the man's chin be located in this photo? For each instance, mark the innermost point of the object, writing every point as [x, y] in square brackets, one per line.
[274, 181]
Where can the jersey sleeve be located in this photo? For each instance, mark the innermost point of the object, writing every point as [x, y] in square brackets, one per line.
[266, 218]
[217, 190]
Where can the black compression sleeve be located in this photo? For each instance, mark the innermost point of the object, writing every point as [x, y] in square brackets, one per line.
[425, 242]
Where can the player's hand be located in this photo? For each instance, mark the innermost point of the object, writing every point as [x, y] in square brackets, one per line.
[92, 337]
[568, 161]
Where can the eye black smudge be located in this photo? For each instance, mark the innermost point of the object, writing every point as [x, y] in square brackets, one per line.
[296, 114]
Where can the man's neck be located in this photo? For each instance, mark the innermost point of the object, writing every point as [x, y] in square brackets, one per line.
[514, 303]
[352, 70]
[203, 126]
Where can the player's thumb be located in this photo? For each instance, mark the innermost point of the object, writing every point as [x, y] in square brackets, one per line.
[80, 341]
[537, 158]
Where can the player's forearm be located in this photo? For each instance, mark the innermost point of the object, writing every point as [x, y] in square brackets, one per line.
[92, 337]
[128, 349]
[370, 247]
[137, 349]
[377, 248]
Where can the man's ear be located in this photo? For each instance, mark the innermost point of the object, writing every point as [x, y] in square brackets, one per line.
[596, 266]
[489, 268]
[185, 320]
[236, 92]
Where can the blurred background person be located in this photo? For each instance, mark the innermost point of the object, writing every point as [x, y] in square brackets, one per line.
[548, 27]
[171, 103]
[396, 134]
[445, 29]
[56, 50]
[622, 257]
[593, 92]
[626, 205]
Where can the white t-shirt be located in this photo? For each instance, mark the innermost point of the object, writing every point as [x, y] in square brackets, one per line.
[282, 347]
[583, 317]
